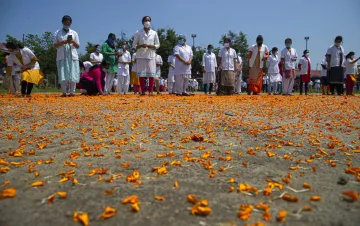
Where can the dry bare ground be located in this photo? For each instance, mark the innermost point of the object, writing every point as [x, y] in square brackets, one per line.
[201, 160]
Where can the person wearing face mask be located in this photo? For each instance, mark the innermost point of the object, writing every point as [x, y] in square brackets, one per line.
[159, 63]
[238, 77]
[272, 64]
[93, 80]
[67, 59]
[134, 80]
[336, 63]
[351, 72]
[26, 60]
[258, 53]
[209, 67]
[184, 56]
[288, 59]
[146, 42]
[304, 68]
[96, 57]
[171, 79]
[124, 62]
[110, 53]
[228, 67]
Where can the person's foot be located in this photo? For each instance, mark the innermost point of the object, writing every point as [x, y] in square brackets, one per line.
[158, 93]
[185, 94]
[178, 94]
[71, 95]
[63, 95]
[269, 93]
[150, 94]
[142, 94]
[28, 96]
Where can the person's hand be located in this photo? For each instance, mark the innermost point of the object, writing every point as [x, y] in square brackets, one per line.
[203, 70]
[188, 62]
[150, 46]
[63, 42]
[23, 67]
[294, 59]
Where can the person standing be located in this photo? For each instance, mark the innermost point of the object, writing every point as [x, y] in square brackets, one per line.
[305, 69]
[67, 59]
[317, 85]
[265, 81]
[351, 72]
[123, 73]
[258, 53]
[228, 66]
[171, 78]
[26, 60]
[146, 42]
[324, 77]
[110, 53]
[182, 71]
[288, 58]
[238, 77]
[272, 64]
[159, 63]
[209, 67]
[336, 64]
[134, 80]
[96, 57]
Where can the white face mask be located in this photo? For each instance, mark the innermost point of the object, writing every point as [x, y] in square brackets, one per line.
[147, 24]
[226, 45]
[306, 54]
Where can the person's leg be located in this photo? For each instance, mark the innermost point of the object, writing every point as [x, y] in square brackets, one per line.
[271, 84]
[275, 87]
[211, 85]
[285, 85]
[205, 88]
[291, 86]
[29, 88]
[157, 85]
[12, 85]
[306, 88]
[179, 84]
[72, 88]
[63, 87]
[142, 85]
[108, 83]
[17, 84]
[23, 88]
[349, 86]
[185, 84]
[120, 84]
[127, 83]
[151, 84]
[301, 87]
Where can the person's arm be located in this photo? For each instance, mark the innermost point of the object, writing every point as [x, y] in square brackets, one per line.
[75, 42]
[57, 42]
[354, 61]
[236, 65]
[215, 62]
[177, 55]
[105, 48]
[249, 56]
[33, 58]
[191, 57]
[203, 63]
[266, 53]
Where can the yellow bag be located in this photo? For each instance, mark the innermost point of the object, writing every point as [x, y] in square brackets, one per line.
[33, 76]
[353, 78]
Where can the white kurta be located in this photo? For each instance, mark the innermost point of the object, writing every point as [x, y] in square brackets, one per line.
[96, 57]
[185, 52]
[228, 59]
[288, 55]
[171, 61]
[124, 68]
[209, 63]
[272, 64]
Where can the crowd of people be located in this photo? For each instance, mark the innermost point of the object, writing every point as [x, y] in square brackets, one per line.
[108, 68]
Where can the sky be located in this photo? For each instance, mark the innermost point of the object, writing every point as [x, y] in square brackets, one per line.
[276, 20]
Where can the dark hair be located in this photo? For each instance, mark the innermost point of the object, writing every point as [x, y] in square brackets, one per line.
[210, 46]
[97, 45]
[288, 40]
[111, 35]
[81, 64]
[339, 38]
[305, 52]
[144, 18]
[66, 17]
[350, 54]
[260, 38]
[227, 40]
[274, 49]
[12, 45]
[105, 63]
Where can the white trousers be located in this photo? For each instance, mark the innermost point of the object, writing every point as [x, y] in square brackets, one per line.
[181, 84]
[109, 79]
[123, 83]
[238, 86]
[64, 86]
[171, 87]
[15, 84]
[288, 84]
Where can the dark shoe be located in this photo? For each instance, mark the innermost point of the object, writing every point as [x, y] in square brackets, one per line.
[178, 95]
[71, 95]
[185, 94]
[63, 95]
[142, 94]
[28, 96]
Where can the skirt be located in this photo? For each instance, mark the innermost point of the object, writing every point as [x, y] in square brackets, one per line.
[336, 75]
[32, 76]
[145, 67]
[226, 83]
[209, 77]
[305, 78]
[134, 80]
[275, 77]
[68, 70]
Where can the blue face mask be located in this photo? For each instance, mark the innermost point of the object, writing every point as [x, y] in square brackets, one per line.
[288, 45]
[66, 27]
[181, 42]
[210, 50]
[98, 50]
[111, 41]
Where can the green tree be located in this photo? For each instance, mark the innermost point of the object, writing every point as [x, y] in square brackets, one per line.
[168, 40]
[240, 44]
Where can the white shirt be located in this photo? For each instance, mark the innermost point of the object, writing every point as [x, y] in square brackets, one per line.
[324, 71]
[87, 65]
[288, 55]
[185, 52]
[133, 67]
[304, 65]
[317, 81]
[265, 79]
[228, 58]
[351, 69]
[26, 54]
[335, 52]
[263, 51]
[209, 62]
[61, 35]
[272, 63]
[125, 57]
[142, 38]
[158, 61]
[171, 61]
[95, 57]
[239, 60]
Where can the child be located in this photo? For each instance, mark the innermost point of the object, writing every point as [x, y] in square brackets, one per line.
[351, 71]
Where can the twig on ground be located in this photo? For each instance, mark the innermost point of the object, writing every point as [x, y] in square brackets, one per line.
[297, 191]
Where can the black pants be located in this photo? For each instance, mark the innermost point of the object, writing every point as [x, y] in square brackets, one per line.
[26, 87]
[306, 87]
[339, 89]
[210, 87]
[90, 86]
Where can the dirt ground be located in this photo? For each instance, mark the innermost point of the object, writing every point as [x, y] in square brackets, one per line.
[207, 144]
